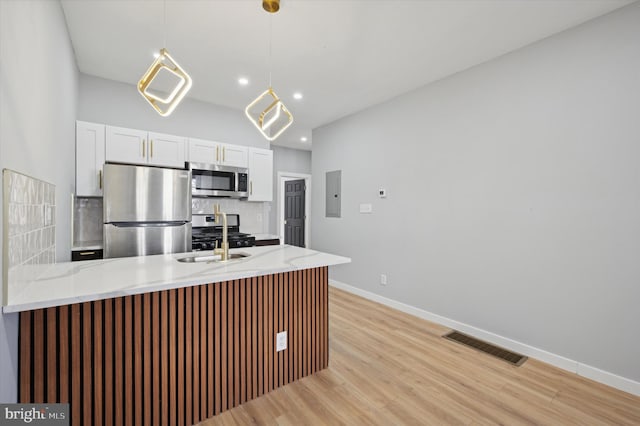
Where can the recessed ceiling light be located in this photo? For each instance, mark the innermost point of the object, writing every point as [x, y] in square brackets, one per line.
[297, 95]
[303, 139]
[243, 81]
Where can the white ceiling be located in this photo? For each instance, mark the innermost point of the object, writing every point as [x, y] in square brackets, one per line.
[343, 55]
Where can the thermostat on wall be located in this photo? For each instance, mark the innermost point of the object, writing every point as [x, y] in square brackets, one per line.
[382, 193]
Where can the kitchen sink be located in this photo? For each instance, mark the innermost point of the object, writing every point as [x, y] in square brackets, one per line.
[207, 258]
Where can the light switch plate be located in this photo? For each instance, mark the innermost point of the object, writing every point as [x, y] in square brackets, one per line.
[281, 341]
[366, 208]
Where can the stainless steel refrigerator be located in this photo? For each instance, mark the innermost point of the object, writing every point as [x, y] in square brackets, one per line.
[147, 210]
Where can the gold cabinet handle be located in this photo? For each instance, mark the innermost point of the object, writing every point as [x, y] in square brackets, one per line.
[87, 253]
[217, 153]
[144, 154]
[73, 211]
[223, 154]
[251, 188]
[151, 148]
[100, 179]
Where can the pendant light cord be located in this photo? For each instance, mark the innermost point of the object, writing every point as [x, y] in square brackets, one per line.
[164, 24]
[270, 43]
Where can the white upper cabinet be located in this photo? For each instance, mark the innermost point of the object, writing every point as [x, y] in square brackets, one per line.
[260, 174]
[126, 145]
[166, 150]
[222, 154]
[201, 151]
[89, 158]
[234, 155]
[140, 147]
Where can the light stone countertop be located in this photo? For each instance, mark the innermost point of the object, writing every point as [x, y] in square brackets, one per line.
[266, 237]
[87, 245]
[41, 286]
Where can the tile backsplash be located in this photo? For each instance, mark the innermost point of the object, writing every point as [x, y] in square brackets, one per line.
[29, 220]
[87, 220]
[253, 216]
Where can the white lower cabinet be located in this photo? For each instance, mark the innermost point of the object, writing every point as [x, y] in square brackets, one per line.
[260, 174]
[90, 139]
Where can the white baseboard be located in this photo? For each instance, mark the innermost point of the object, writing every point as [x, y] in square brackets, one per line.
[580, 369]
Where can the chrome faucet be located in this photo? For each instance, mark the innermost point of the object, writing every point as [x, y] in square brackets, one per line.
[223, 251]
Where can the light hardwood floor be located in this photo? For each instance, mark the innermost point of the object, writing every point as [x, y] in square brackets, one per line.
[390, 368]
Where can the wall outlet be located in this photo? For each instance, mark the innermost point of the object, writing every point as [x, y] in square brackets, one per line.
[366, 208]
[281, 341]
[383, 279]
[382, 193]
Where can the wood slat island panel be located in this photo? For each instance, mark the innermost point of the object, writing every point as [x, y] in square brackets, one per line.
[175, 356]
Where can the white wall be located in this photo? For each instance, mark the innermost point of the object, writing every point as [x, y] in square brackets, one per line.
[38, 98]
[120, 104]
[513, 195]
[286, 160]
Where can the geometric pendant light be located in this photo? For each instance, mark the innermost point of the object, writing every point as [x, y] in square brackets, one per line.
[171, 81]
[273, 119]
[164, 102]
[267, 112]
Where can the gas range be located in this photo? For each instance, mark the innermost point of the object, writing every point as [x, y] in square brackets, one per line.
[205, 233]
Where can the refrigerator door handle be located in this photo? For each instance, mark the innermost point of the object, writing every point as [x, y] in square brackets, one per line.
[146, 224]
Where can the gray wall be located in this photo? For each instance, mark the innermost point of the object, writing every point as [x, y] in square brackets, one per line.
[120, 104]
[38, 98]
[286, 160]
[513, 199]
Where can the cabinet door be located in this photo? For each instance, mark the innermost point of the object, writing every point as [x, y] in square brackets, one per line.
[89, 158]
[126, 145]
[234, 155]
[260, 174]
[166, 150]
[202, 151]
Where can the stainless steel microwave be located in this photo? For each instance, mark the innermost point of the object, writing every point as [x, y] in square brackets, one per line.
[211, 180]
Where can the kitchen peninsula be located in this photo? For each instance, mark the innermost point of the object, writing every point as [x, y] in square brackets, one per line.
[151, 340]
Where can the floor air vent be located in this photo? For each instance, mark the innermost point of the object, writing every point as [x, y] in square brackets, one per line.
[503, 354]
